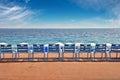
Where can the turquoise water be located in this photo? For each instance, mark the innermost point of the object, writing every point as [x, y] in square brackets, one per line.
[15, 36]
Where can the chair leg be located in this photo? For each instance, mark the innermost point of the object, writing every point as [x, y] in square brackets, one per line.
[73, 55]
[109, 55]
[87, 55]
[102, 56]
[91, 56]
[0, 56]
[12, 56]
[45, 55]
[32, 56]
[78, 55]
[18, 56]
[106, 57]
[28, 56]
[94, 55]
[116, 55]
[62, 55]
[15, 56]
[59, 56]
[3, 55]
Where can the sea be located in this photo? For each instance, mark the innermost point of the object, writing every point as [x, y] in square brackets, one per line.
[44, 36]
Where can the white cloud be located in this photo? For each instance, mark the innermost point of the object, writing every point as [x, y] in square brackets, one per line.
[11, 10]
[19, 16]
[96, 4]
[13, 15]
[111, 7]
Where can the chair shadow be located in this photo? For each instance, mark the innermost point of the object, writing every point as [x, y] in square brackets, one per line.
[66, 59]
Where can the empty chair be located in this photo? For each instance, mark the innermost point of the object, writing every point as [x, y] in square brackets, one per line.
[22, 48]
[38, 48]
[100, 48]
[69, 48]
[5, 49]
[85, 48]
[54, 48]
[115, 48]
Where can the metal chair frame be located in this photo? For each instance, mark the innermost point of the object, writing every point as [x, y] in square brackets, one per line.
[101, 48]
[6, 49]
[85, 48]
[115, 48]
[38, 48]
[69, 48]
[54, 48]
[22, 49]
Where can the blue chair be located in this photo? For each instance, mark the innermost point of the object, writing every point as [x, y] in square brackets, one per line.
[38, 48]
[115, 48]
[5, 49]
[85, 48]
[22, 49]
[54, 48]
[100, 48]
[69, 48]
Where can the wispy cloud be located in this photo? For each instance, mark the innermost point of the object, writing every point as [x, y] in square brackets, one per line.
[97, 4]
[14, 14]
[10, 10]
[111, 7]
[20, 15]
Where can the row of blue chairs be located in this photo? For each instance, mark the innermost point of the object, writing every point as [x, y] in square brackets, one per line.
[59, 49]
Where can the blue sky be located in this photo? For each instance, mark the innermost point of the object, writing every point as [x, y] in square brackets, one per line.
[59, 14]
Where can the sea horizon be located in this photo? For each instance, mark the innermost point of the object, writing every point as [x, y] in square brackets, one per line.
[66, 28]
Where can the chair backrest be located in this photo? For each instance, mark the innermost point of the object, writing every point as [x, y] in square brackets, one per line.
[100, 48]
[6, 48]
[69, 48]
[53, 47]
[38, 47]
[85, 47]
[115, 47]
[22, 48]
